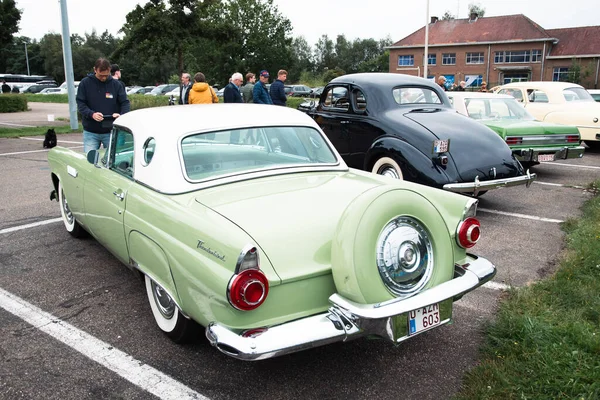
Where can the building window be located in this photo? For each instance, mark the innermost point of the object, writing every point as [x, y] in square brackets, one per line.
[560, 74]
[475, 58]
[404, 61]
[536, 56]
[431, 59]
[449, 59]
[521, 56]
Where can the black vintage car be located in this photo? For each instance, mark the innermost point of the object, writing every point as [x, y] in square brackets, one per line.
[404, 127]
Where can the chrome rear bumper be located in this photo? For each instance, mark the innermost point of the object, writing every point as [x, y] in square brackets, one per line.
[479, 186]
[346, 320]
[531, 155]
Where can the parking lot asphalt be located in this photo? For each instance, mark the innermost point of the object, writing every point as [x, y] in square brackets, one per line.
[39, 114]
[86, 291]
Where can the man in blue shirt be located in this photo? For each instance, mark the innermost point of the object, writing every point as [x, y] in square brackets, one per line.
[260, 93]
[278, 89]
[100, 99]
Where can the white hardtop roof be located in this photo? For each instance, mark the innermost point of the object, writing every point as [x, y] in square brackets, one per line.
[169, 124]
[478, 95]
[541, 84]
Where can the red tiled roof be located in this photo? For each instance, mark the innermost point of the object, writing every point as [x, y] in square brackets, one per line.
[486, 29]
[576, 41]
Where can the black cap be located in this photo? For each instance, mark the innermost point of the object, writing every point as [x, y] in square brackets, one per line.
[114, 68]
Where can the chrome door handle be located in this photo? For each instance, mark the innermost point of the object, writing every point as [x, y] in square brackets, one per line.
[120, 196]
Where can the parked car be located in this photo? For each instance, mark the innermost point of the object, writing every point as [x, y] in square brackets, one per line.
[162, 89]
[404, 127]
[316, 92]
[50, 90]
[221, 92]
[531, 141]
[561, 103]
[38, 88]
[595, 94]
[140, 90]
[298, 91]
[63, 87]
[245, 220]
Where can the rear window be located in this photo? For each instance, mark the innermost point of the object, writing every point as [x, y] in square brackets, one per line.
[416, 95]
[238, 151]
[577, 94]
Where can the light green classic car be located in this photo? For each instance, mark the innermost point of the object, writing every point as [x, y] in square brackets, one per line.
[245, 220]
[531, 141]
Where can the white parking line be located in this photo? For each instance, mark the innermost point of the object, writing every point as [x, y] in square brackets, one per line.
[33, 225]
[496, 286]
[33, 151]
[558, 221]
[9, 124]
[149, 379]
[571, 165]
[41, 140]
[558, 184]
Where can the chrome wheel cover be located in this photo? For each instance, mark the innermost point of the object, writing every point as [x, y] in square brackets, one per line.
[404, 256]
[164, 303]
[66, 209]
[388, 170]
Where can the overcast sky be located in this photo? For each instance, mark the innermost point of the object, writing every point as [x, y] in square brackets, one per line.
[312, 18]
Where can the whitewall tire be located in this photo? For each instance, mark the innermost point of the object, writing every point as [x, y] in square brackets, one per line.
[388, 167]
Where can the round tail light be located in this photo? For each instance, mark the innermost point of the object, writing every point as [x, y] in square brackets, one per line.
[248, 289]
[469, 232]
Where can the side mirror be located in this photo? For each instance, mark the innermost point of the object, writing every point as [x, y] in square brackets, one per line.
[92, 156]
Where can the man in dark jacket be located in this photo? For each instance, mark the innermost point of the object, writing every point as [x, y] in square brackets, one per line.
[278, 90]
[231, 93]
[260, 94]
[184, 90]
[5, 87]
[100, 99]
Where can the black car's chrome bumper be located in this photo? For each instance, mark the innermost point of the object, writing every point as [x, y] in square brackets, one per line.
[479, 186]
[531, 155]
[346, 320]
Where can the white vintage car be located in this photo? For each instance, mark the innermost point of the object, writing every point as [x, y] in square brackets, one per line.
[561, 103]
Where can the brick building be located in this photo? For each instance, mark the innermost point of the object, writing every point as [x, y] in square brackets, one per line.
[499, 50]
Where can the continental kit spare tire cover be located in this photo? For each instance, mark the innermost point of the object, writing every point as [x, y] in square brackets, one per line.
[390, 243]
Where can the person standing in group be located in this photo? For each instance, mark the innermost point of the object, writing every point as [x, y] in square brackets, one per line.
[461, 87]
[483, 87]
[201, 92]
[442, 82]
[231, 93]
[278, 90]
[5, 87]
[100, 99]
[260, 94]
[115, 72]
[184, 90]
[248, 88]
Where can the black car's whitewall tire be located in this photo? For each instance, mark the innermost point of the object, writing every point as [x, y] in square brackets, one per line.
[68, 218]
[388, 167]
[167, 315]
[354, 247]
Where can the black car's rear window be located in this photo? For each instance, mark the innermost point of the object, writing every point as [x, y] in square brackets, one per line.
[416, 95]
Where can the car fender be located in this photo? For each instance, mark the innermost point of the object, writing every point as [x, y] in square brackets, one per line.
[416, 166]
[354, 246]
[571, 117]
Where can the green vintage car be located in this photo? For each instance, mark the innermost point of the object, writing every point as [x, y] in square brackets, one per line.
[531, 141]
[245, 220]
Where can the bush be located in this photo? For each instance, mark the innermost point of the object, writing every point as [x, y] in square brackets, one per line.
[139, 101]
[12, 103]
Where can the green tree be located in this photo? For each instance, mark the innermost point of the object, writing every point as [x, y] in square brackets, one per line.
[302, 59]
[447, 16]
[51, 52]
[325, 54]
[475, 8]
[10, 16]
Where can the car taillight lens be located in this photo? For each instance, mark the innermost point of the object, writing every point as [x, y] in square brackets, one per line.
[248, 289]
[572, 138]
[514, 140]
[468, 232]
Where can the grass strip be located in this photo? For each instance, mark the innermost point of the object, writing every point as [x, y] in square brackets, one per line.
[545, 342]
[36, 130]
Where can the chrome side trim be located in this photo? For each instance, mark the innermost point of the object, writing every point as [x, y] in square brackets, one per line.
[477, 186]
[563, 153]
[345, 319]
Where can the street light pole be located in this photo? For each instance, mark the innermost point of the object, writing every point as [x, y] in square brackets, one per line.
[426, 56]
[27, 59]
[68, 59]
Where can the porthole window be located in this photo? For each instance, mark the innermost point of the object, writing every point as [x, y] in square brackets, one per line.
[148, 150]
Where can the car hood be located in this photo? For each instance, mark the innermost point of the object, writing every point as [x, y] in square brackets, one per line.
[476, 150]
[506, 127]
[292, 218]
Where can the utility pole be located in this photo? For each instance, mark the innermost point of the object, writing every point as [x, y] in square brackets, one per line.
[27, 59]
[426, 55]
[68, 59]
